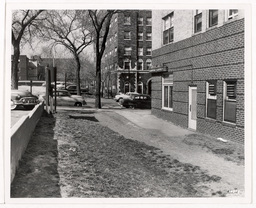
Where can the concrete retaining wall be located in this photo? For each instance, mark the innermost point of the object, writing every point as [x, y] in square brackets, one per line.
[20, 135]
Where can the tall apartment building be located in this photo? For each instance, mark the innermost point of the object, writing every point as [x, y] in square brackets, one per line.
[127, 58]
[198, 70]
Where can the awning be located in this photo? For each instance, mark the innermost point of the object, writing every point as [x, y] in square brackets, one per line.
[159, 69]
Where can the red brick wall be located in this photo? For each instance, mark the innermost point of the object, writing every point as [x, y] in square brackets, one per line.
[217, 54]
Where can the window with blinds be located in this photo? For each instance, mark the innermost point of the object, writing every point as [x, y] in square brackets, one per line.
[229, 104]
[231, 90]
[211, 99]
[212, 88]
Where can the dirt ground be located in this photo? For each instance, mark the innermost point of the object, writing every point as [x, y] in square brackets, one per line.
[76, 154]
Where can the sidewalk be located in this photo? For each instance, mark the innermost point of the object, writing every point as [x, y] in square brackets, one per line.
[184, 145]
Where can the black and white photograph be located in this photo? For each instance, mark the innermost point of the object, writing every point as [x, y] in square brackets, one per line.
[125, 104]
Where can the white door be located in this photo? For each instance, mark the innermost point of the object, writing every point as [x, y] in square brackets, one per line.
[192, 111]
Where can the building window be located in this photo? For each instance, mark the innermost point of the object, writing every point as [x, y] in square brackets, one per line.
[140, 36]
[229, 101]
[148, 52]
[127, 35]
[127, 51]
[140, 51]
[127, 64]
[149, 21]
[198, 21]
[213, 17]
[149, 36]
[140, 88]
[167, 90]
[232, 13]
[140, 64]
[168, 29]
[127, 20]
[211, 99]
[140, 21]
[148, 64]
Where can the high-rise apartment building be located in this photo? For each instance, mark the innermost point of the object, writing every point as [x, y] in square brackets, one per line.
[127, 58]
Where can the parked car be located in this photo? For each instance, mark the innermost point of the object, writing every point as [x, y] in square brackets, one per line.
[60, 85]
[137, 101]
[24, 99]
[73, 90]
[119, 97]
[64, 98]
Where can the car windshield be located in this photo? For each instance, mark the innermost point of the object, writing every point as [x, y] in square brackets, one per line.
[63, 93]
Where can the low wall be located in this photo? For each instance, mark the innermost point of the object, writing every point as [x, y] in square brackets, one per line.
[20, 135]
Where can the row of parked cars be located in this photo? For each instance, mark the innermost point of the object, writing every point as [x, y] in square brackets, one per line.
[133, 100]
[70, 87]
[21, 99]
[25, 100]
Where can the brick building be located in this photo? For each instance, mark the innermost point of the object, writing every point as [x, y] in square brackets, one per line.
[127, 58]
[29, 69]
[198, 70]
[23, 67]
[34, 68]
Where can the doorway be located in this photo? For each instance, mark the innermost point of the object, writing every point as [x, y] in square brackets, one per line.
[192, 111]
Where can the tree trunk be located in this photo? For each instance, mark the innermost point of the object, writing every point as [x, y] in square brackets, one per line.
[98, 83]
[15, 65]
[78, 66]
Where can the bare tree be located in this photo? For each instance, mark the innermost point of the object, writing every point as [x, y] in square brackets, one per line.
[23, 28]
[101, 20]
[67, 28]
[88, 69]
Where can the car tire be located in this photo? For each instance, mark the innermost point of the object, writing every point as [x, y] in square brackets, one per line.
[29, 107]
[132, 106]
[121, 101]
[78, 104]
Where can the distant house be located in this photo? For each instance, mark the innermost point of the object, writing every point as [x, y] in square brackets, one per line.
[198, 70]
